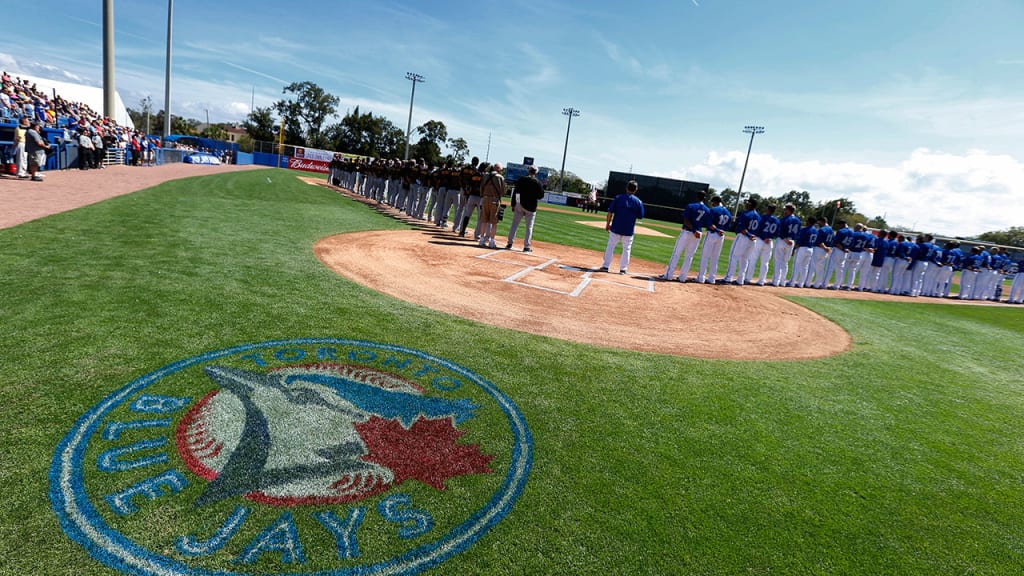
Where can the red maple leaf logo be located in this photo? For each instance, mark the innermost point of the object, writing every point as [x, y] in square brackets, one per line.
[426, 451]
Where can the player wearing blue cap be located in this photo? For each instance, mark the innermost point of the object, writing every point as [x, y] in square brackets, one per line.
[951, 257]
[981, 278]
[902, 254]
[835, 267]
[719, 223]
[767, 232]
[1000, 262]
[971, 268]
[826, 240]
[885, 275]
[803, 254]
[620, 223]
[789, 231]
[747, 224]
[929, 287]
[919, 263]
[859, 276]
[1017, 288]
[696, 216]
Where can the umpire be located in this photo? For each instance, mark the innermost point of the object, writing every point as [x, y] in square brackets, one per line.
[527, 193]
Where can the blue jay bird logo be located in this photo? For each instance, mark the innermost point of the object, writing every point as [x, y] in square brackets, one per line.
[296, 435]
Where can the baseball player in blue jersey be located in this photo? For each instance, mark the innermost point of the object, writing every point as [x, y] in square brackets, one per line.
[803, 254]
[900, 272]
[620, 223]
[859, 276]
[747, 223]
[789, 231]
[950, 257]
[931, 275]
[999, 263]
[767, 232]
[971, 268]
[835, 269]
[696, 216]
[826, 240]
[720, 219]
[888, 250]
[1017, 287]
[984, 274]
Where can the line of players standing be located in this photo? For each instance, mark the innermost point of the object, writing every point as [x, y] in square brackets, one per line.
[837, 258]
[420, 191]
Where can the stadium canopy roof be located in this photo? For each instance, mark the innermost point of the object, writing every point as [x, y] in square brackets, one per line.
[91, 95]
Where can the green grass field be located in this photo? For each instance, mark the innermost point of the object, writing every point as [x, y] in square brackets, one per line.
[902, 456]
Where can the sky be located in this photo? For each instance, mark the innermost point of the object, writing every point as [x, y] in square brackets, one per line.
[913, 109]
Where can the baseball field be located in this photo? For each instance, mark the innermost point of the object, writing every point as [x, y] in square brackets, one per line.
[242, 372]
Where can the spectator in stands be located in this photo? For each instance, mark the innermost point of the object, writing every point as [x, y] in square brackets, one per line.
[6, 104]
[36, 147]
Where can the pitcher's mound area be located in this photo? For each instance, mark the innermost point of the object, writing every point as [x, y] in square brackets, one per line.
[553, 292]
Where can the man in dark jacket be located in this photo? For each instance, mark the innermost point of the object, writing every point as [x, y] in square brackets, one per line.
[527, 193]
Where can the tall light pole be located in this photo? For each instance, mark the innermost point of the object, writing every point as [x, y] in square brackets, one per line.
[108, 60]
[167, 75]
[408, 129]
[747, 130]
[570, 112]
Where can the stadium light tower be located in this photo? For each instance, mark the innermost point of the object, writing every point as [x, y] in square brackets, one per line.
[570, 112]
[746, 130]
[408, 129]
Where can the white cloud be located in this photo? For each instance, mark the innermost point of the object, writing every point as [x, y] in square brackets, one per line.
[956, 194]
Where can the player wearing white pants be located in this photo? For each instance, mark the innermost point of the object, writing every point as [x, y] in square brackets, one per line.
[803, 255]
[720, 219]
[789, 231]
[739, 259]
[623, 214]
[747, 224]
[696, 216]
[1016, 295]
[826, 240]
[686, 246]
[782, 254]
[764, 244]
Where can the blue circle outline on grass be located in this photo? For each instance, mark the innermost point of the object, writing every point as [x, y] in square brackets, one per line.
[83, 524]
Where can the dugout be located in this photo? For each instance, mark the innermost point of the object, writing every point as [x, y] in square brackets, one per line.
[663, 198]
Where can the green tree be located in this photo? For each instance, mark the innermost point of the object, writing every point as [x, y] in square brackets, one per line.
[433, 134]
[366, 135]
[184, 126]
[260, 125]
[459, 148]
[878, 223]
[215, 131]
[1013, 236]
[245, 143]
[305, 112]
[801, 201]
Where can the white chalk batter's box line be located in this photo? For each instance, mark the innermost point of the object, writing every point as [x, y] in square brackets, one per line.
[585, 280]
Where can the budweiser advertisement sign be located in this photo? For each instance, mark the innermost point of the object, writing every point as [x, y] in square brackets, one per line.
[313, 160]
[296, 163]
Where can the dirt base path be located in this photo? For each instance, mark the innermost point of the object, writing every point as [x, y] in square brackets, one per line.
[63, 190]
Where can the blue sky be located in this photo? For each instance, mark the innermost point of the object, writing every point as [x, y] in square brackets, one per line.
[913, 109]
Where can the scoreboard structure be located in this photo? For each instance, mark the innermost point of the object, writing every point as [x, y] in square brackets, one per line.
[663, 198]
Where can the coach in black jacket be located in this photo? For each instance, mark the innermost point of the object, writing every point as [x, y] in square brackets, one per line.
[527, 193]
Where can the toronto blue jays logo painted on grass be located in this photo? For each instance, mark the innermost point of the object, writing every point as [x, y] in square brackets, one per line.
[309, 456]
